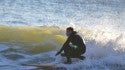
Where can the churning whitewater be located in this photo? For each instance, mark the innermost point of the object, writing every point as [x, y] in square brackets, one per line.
[32, 31]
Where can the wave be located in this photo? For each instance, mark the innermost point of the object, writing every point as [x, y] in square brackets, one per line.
[50, 36]
[32, 31]
[38, 45]
[36, 38]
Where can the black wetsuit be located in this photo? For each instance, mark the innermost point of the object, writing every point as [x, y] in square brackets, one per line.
[70, 51]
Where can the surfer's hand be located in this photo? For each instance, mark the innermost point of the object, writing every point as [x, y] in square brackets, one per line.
[57, 53]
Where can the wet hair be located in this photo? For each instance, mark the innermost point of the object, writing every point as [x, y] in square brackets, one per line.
[70, 28]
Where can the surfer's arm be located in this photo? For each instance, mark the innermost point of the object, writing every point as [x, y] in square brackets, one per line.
[64, 45]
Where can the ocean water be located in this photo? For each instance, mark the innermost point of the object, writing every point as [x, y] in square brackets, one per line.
[32, 31]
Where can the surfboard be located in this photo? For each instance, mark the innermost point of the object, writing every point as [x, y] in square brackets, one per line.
[42, 66]
[50, 66]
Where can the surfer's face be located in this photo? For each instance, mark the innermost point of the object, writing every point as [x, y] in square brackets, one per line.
[68, 32]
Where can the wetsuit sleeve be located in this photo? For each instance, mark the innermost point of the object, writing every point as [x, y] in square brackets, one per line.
[65, 44]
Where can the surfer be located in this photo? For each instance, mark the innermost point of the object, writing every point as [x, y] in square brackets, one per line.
[74, 46]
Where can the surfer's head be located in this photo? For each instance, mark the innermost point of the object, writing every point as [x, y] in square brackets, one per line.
[69, 31]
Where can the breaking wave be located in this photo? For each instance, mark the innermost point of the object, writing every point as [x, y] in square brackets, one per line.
[38, 45]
